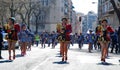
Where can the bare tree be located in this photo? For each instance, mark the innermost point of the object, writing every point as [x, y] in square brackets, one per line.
[8, 8]
[20, 11]
[41, 13]
[116, 9]
[13, 7]
[3, 10]
[25, 11]
[36, 12]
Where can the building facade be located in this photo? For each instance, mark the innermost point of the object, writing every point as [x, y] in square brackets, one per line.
[89, 22]
[84, 24]
[57, 10]
[73, 22]
[91, 19]
[79, 24]
[44, 16]
[106, 11]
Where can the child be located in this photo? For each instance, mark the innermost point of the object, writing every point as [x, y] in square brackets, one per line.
[23, 37]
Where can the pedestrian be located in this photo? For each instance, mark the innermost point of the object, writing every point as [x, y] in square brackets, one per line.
[46, 35]
[118, 39]
[104, 38]
[49, 39]
[37, 39]
[23, 37]
[90, 38]
[114, 42]
[53, 39]
[64, 31]
[12, 28]
[43, 40]
[80, 40]
[1, 42]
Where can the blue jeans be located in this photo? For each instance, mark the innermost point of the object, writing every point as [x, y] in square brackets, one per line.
[37, 42]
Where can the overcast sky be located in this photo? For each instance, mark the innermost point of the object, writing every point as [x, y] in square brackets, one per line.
[85, 5]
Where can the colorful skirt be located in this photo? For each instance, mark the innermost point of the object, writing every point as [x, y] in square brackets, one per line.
[103, 39]
[63, 37]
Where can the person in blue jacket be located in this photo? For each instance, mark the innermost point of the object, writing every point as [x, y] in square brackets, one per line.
[90, 38]
[114, 41]
[80, 40]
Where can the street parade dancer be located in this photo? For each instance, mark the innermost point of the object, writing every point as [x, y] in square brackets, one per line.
[104, 38]
[12, 30]
[23, 36]
[64, 29]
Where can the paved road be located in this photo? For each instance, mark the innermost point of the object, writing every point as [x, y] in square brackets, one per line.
[48, 59]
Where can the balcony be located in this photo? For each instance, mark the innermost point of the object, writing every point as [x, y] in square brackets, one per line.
[66, 4]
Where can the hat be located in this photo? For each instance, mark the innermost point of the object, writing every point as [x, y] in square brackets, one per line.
[90, 31]
[23, 25]
[12, 18]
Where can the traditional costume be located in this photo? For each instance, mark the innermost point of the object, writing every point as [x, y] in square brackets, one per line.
[104, 33]
[64, 32]
[12, 32]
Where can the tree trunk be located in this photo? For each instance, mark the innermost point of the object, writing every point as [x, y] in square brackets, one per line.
[28, 21]
[116, 9]
[2, 20]
[36, 24]
[12, 10]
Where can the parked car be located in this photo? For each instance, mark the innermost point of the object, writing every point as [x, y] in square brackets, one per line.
[5, 43]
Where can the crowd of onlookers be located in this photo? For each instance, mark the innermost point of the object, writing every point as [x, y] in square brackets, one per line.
[80, 39]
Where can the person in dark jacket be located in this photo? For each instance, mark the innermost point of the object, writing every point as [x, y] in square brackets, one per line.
[114, 39]
[119, 39]
[1, 40]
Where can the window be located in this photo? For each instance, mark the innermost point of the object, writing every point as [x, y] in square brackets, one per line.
[42, 2]
[45, 2]
[62, 9]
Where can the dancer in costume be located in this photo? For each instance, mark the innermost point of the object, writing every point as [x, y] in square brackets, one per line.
[64, 31]
[12, 29]
[104, 38]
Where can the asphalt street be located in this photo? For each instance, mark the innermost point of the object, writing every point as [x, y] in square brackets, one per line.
[49, 59]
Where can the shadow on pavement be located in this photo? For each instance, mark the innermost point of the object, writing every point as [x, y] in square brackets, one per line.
[6, 61]
[58, 53]
[60, 62]
[18, 55]
[105, 63]
[58, 56]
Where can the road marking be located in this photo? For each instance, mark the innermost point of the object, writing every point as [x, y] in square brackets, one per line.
[35, 68]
